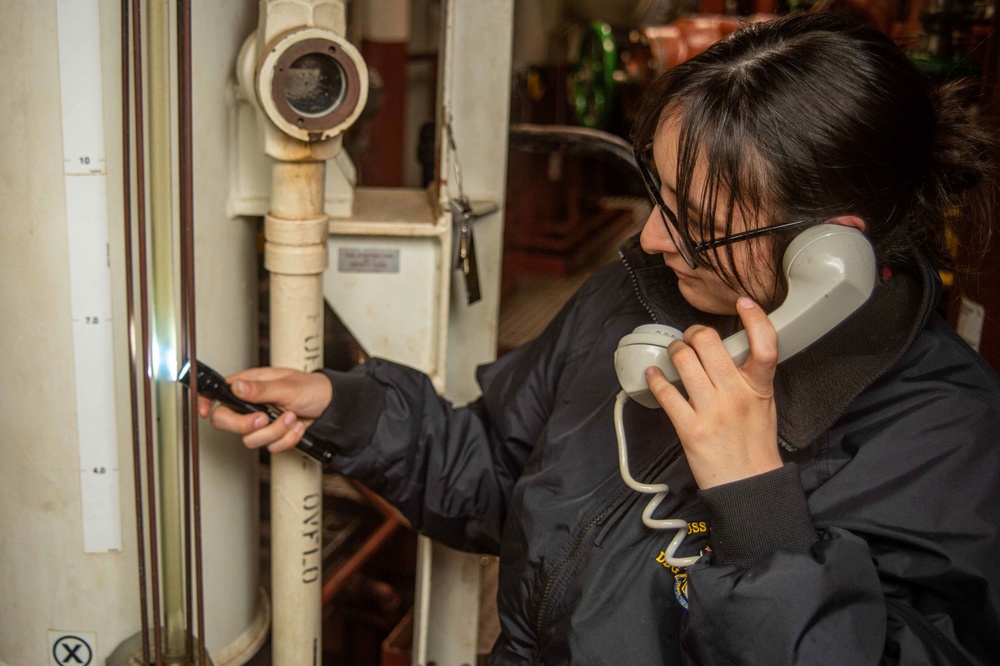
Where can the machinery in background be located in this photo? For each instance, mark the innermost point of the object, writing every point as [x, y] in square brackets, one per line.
[952, 39]
[612, 68]
[566, 208]
[956, 40]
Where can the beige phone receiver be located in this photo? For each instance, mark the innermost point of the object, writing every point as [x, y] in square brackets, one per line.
[830, 270]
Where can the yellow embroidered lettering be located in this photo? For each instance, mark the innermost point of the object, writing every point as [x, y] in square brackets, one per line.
[696, 528]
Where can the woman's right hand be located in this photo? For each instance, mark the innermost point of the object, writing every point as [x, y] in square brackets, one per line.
[302, 396]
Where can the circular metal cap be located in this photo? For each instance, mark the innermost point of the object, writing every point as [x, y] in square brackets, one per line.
[312, 84]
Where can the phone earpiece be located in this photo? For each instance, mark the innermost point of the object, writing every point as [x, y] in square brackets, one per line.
[831, 273]
[830, 270]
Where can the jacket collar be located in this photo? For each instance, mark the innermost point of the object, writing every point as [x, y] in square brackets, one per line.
[814, 387]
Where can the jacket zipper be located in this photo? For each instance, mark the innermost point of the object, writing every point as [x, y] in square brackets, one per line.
[596, 520]
[569, 557]
[574, 549]
[635, 286]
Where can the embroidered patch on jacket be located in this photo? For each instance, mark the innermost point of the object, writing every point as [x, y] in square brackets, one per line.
[680, 580]
[681, 589]
[680, 573]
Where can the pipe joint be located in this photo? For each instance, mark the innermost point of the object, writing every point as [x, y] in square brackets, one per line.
[281, 231]
[295, 259]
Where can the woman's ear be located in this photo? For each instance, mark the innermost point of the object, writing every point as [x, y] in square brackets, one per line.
[849, 221]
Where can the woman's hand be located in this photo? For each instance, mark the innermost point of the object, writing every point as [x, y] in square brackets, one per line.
[728, 424]
[302, 396]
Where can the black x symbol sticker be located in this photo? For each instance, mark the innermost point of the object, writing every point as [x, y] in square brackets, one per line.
[67, 650]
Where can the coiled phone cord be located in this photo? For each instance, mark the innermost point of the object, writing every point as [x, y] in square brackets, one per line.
[659, 491]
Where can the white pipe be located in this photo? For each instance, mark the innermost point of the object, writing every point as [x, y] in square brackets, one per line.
[295, 254]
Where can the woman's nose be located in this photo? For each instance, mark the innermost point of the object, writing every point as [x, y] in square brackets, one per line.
[655, 239]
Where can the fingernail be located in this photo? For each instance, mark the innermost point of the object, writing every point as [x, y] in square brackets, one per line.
[649, 371]
[240, 386]
[260, 421]
[288, 418]
[745, 303]
[299, 427]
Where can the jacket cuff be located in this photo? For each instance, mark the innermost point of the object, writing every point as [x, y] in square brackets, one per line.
[752, 518]
[348, 423]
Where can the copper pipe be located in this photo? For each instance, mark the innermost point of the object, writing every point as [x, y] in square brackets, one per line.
[384, 507]
[335, 583]
[185, 502]
[140, 187]
[188, 339]
[130, 320]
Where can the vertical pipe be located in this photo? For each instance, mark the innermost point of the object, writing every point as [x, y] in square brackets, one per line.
[164, 327]
[192, 476]
[130, 323]
[295, 254]
[184, 187]
[140, 188]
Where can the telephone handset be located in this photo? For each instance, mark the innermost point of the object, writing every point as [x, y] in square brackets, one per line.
[831, 272]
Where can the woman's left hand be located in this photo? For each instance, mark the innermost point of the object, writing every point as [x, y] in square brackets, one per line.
[728, 424]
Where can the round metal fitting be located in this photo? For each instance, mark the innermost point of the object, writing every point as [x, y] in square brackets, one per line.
[312, 83]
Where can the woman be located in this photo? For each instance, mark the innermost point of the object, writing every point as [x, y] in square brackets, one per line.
[844, 503]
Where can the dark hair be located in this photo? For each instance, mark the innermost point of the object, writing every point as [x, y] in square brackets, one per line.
[812, 116]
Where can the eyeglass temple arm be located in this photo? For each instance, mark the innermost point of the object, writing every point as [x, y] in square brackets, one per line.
[746, 235]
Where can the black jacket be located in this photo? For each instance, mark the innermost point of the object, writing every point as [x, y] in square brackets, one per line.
[876, 543]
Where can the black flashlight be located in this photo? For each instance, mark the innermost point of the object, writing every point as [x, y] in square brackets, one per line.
[212, 385]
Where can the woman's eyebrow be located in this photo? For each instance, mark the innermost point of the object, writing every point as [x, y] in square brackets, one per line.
[692, 211]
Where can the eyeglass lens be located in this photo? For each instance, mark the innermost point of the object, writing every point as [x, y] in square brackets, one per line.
[652, 182]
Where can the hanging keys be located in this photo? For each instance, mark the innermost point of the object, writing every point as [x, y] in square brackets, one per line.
[463, 213]
[465, 261]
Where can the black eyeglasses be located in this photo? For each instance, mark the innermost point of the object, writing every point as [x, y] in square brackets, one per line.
[689, 251]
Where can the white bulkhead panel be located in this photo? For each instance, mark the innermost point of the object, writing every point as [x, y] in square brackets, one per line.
[69, 562]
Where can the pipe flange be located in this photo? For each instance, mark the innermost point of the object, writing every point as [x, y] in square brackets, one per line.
[312, 83]
[296, 232]
[295, 259]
